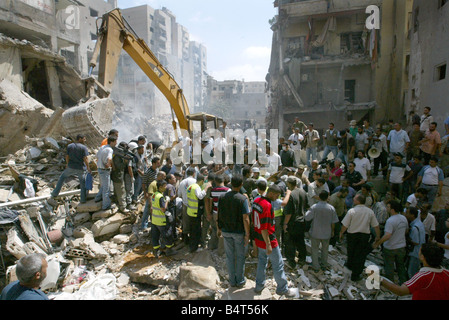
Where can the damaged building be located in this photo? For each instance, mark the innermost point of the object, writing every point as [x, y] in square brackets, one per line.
[326, 66]
[242, 103]
[428, 72]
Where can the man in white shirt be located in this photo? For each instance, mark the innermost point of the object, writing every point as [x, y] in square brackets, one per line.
[428, 221]
[358, 222]
[426, 119]
[398, 140]
[295, 144]
[182, 193]
[104, 165]
[431, 178]
[274, 161]
[394, 243]
[414, 199]
[363, 165]
[314, 189]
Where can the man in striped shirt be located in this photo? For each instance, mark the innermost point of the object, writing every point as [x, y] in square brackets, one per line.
[430, 283]
[148, 178]
[218, 191]
[268, 247]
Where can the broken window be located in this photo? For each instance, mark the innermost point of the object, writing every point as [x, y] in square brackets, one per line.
[295, 47]
[351, 42]
[350, 91]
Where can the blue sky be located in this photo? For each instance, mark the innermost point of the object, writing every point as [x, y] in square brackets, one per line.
[236, 33]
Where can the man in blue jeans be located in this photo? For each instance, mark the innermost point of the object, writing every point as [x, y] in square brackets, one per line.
[234, 225]
[104, 165]
[267, 245]
[77, 165]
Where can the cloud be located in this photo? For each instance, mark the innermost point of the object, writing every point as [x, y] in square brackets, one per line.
[257, 53]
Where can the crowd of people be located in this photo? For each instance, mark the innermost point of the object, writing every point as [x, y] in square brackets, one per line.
[267, 211]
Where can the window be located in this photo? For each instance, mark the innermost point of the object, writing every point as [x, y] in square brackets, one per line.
[440, 72]
[93, 13]
[350, 90]
[351, 42]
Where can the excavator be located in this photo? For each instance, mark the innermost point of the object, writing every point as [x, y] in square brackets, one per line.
[94, 114]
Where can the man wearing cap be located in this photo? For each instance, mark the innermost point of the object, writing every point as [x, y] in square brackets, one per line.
[312, 137]
[256, 174]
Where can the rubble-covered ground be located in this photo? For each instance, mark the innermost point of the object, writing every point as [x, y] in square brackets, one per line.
[95, 254]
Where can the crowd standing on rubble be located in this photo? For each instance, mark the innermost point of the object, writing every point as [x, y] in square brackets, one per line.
[267, 211]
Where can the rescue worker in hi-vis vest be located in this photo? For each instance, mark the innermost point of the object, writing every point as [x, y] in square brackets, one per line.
[161, 222]
[195, 208]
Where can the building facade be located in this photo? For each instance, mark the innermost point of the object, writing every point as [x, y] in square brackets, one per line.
[428, 72]
[241, 104]
[170, 42]
[327, 66]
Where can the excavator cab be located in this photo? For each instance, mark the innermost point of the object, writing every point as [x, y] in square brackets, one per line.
[203, 121]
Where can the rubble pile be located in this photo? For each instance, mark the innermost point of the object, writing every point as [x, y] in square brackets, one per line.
[130, 123]
[102, 254]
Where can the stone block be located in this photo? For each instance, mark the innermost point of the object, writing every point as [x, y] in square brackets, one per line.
[102, 214]
[198, 283]
[109, 226]
[89, 206]
[81, 218]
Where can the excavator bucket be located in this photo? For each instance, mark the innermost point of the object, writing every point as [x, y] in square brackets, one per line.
[92, 119]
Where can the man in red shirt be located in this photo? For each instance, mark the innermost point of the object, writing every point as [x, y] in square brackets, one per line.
[430, 283]
[267, 244]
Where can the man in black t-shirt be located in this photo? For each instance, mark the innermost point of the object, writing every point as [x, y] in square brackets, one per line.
[77, 165]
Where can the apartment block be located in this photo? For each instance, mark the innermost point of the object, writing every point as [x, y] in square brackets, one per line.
[242, 104]
[170, 42]
[326, 66]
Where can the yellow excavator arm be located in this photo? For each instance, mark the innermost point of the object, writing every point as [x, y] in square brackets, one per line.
[114, 35]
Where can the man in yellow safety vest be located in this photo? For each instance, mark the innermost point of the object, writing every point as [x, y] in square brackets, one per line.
[195, 208]
[161, 226]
